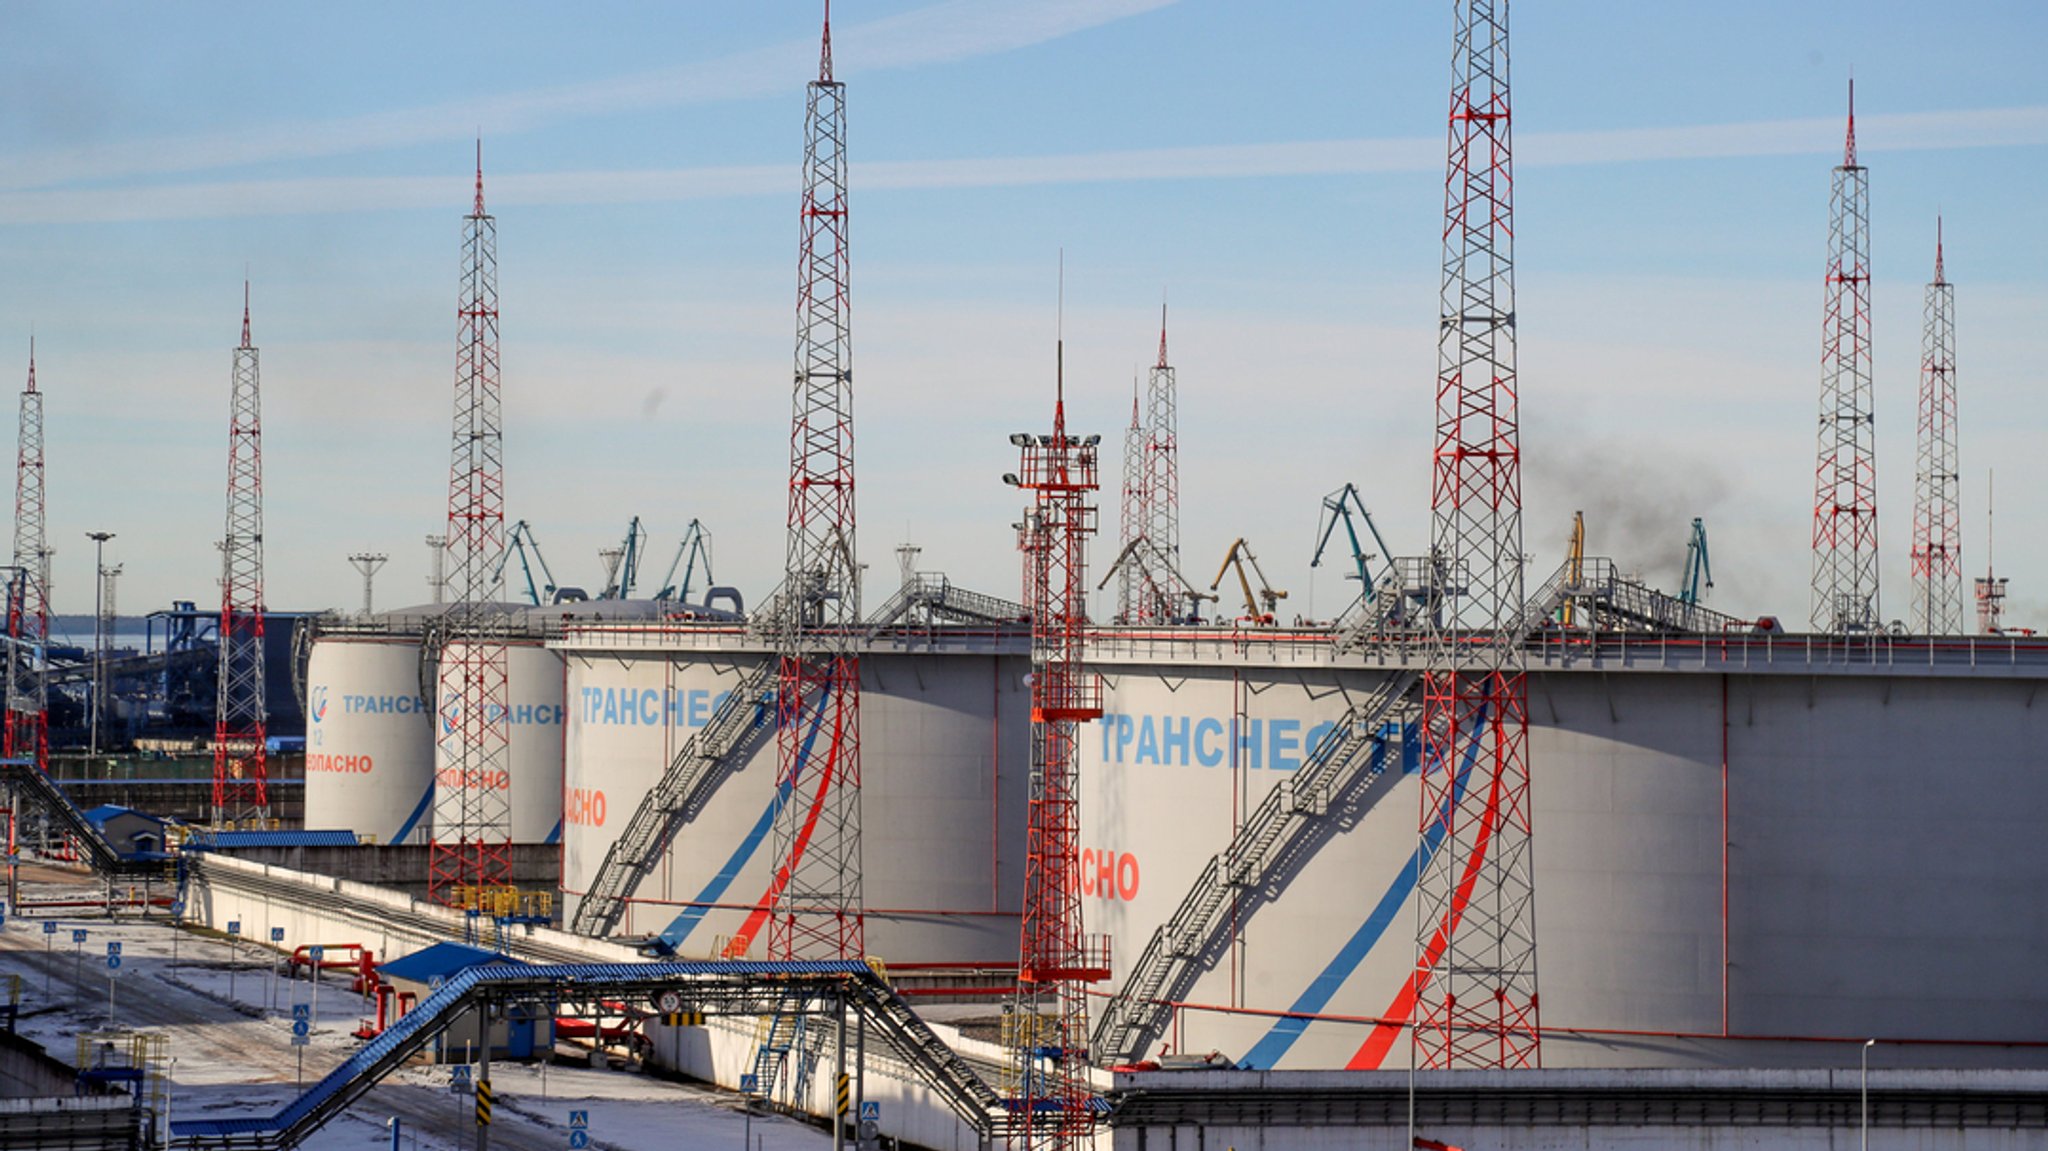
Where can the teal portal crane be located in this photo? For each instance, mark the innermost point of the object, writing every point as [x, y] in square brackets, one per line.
[1699, 571]
[695, 549]
[519, 541]
[623, 563]
[1337, 506]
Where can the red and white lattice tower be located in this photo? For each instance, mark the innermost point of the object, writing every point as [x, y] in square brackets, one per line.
[1845, 476]
[472, 796]
[818, 912]
[1937, 476]
[1162, 484]
[1475, 976]
[241, 771]
[1047, 1028]
[1131, 594]
[28, 602]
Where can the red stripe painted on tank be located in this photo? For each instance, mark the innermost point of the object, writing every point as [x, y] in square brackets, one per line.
[1373, 1051]
[744, 937]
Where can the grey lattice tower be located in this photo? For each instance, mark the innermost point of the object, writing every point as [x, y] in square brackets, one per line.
[817, 910]
[472, 844]
[1937, 472]
[1475, 976]
[241, 770]
[1162, 482]
[1845, 474]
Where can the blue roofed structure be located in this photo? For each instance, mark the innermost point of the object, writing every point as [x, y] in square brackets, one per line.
[127, 831]
[441, 961]
[229, 840]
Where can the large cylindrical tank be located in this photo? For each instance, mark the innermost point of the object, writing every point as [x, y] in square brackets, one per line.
[1735, 864]
[369, 738]
[944, 762]
[533, 764]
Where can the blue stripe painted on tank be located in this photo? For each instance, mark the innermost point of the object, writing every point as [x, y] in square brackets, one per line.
[680, 928]
[1280, 1037]
[418, 813]
[554, 836]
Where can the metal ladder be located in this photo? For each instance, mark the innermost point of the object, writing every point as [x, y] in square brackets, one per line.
[1347, 758]
[41, 793]
[698, 768]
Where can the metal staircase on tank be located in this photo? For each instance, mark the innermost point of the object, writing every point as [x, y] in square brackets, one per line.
[929, 597]
[775, 1037]
[1344, 762]
[697, 769]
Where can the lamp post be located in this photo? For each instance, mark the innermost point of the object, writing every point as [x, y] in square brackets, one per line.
[1867, 1045]
[99, 650]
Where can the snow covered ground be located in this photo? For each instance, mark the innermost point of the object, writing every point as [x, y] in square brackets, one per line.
[229, 1021]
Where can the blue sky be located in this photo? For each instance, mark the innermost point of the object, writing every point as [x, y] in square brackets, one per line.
[1275, 169]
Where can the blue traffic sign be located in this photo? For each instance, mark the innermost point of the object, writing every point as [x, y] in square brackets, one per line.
[234, 927]
[750, 1084]
[302, 1011]
[113, 947]
[302, 1027]
[177, 909]
[78, 934]
[579, 1139]
[579, 1118]
[49, 927]
[113, 963]
[277, 935]
[316, 953]
[870, 1112]
[301, 1040]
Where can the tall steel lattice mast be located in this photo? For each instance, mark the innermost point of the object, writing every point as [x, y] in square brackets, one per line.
[241, 770]
[1162, 482]
[472, 797]
[1131, 593]
[1845, 477]
[1047, 1028]
[818, 912]
[1475, 975]
[28, 606]
[1937, 478]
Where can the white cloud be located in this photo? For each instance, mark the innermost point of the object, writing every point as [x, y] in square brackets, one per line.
[1976, 128]
[940, 33]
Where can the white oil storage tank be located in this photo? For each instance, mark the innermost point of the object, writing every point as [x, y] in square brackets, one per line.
[369, 738]
[533, 716]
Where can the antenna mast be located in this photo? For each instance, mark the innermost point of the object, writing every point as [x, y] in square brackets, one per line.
[1845, 476]
[1475, 971]
[472, 844]
[241, 769]
[818, 910]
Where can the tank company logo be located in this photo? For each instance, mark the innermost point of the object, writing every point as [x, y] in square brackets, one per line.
[516, 715]
[1190, 741]
[649, 707]
[584, 807]
[1109, 874]
[317, 703]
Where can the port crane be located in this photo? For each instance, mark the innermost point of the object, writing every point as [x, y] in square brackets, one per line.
[1238, 556]
[1699, 571]
[1337, 506]
[622, 563]
[520, 542]
[1145, 559]
[1574, 566]
[694, 550]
